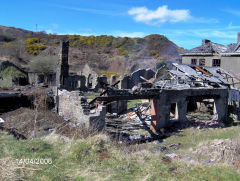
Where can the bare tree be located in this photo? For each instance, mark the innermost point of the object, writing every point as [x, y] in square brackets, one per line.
[43, 64]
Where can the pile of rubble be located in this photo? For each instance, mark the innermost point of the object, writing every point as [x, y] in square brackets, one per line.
[220, 150]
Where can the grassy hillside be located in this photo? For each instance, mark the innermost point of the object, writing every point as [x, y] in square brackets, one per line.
[98, 158]
[104, 53]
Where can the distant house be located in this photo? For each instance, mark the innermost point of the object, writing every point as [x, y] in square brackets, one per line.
[215, 55]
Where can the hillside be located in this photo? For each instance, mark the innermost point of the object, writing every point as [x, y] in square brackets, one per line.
[108, 53]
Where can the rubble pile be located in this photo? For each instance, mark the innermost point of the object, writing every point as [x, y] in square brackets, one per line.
[198, 124]
[220, 150]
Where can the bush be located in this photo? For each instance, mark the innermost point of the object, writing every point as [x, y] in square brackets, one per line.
[34, 45]
[154, 53]
[14, 49]
[33, 40]
[109, 74]
[12, 72]
[43, 64]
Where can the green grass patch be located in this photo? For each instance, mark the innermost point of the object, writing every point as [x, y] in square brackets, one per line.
[97, 158]
[132, 103]
[9, 74]
[192, 137]
[91, 95]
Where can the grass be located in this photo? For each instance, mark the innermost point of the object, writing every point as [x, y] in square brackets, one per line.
[9, 74]
[192, 137]
[91, 95]
[98, 158]
[132, 103]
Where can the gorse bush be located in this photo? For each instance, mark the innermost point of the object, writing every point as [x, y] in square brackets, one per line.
[33, 40]
[34, 45]
[154, 53]
[81, 41]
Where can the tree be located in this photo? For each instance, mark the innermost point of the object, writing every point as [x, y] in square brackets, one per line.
[45, 65]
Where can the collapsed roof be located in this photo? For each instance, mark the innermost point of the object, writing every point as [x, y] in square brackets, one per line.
[190, 76]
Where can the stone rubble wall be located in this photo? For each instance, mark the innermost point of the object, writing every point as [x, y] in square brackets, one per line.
[70, 108]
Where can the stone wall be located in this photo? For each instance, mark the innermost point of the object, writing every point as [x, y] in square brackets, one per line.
[62, 71]
[69, 105]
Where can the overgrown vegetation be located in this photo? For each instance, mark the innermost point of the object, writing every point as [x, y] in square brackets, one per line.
[132, 103]
[101, 52]
[34, 45]
[98, 158]
[43, 64]
[109, 74]
[10, 74]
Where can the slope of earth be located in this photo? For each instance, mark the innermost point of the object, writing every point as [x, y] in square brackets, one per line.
[104, 53]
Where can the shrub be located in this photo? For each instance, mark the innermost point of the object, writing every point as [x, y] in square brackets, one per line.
[43, 64]
[123, 51]
[154, 53]
[12, 72]
[34, 45]
[109, 74]
[33, 40]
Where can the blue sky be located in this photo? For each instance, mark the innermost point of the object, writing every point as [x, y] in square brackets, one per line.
[185, 22]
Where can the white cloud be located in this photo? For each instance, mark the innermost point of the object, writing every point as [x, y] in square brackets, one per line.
[55, 26]
[231, 26]
[204, 20]
[92, 11]
[161, 15]
[222, 33]
[212, 33]
[233, 12]
[190, 38]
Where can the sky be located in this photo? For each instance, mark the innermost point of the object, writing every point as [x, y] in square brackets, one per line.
[185, 22]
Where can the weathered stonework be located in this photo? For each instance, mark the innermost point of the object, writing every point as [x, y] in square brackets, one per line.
[70, 108]
[125, 82]
[113, 79]
[62, 65]
[91, 77]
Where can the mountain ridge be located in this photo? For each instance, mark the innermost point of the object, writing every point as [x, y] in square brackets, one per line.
[103, 53]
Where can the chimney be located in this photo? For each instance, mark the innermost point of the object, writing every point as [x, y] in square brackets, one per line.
[238, 37]
[205, 42]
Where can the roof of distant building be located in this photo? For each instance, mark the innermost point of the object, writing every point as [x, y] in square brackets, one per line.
[209, 48]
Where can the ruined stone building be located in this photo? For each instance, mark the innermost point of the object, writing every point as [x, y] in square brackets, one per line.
[215, 55]
[12, 75]
[59, 78]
